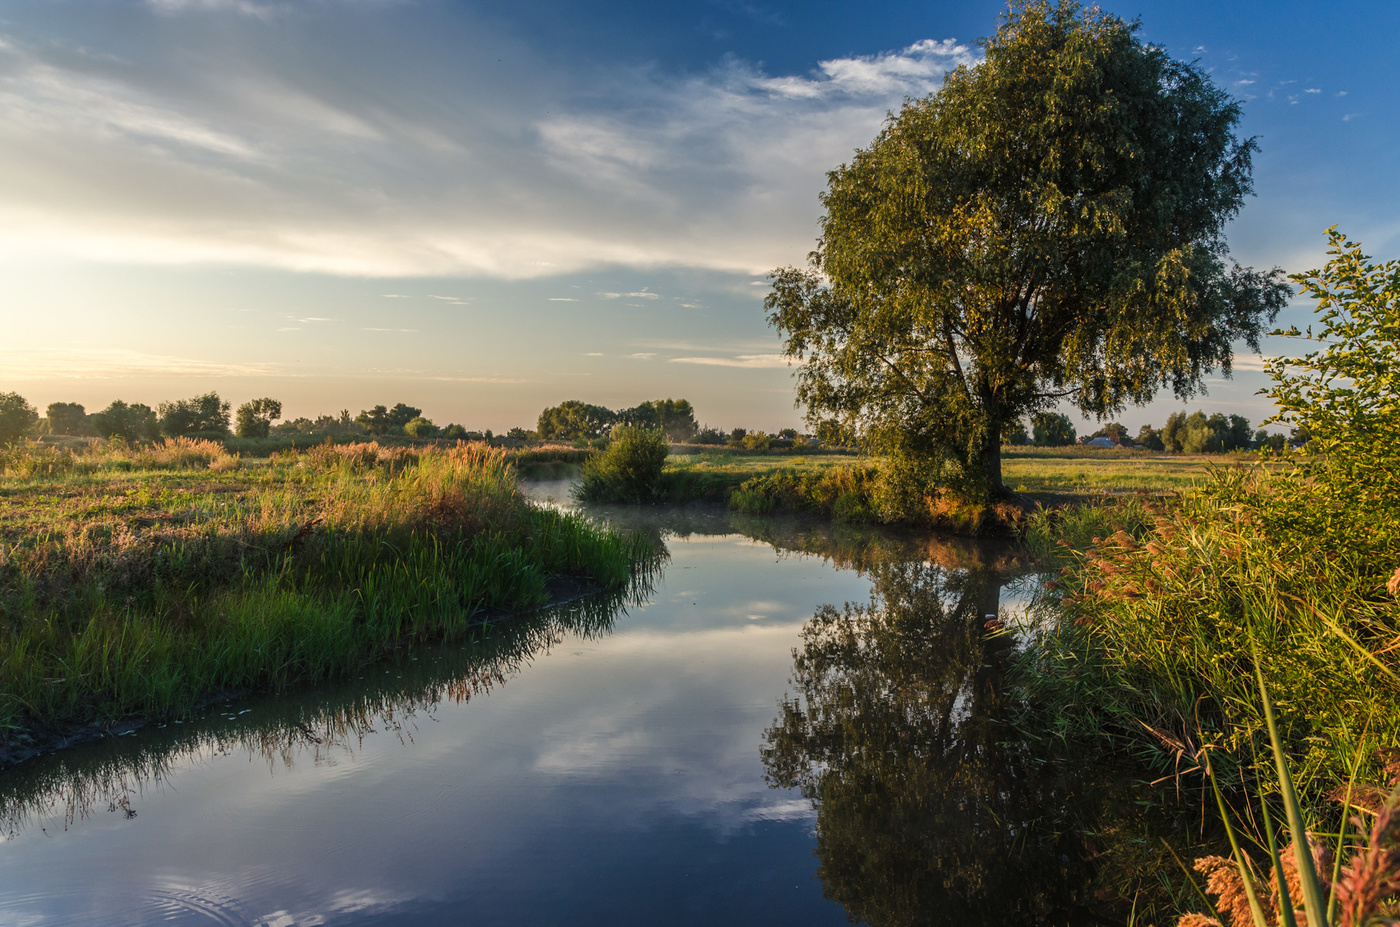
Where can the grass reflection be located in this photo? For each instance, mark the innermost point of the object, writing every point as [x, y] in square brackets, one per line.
[319, 724]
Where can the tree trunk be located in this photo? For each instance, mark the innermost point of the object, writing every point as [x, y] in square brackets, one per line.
[989, 463]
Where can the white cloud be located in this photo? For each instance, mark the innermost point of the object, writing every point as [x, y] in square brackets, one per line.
[742, 360]
[210, 143]
[1254, 362]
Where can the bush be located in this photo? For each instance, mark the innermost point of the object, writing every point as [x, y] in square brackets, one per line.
[708, 435]
[629, 470]
[420, 427]
[17, 417]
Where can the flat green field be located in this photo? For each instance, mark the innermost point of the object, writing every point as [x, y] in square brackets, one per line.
[1076, 470]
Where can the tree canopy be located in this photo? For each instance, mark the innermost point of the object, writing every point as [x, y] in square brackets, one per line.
[130, 422]
[202, 415]
[67, 418]
[254, 418]
[1048, 227]
[17, 417]
[380, 420]
[572, 419]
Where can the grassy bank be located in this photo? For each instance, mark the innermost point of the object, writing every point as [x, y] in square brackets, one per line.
[1151, 633]
[848, 487]
[137, 581]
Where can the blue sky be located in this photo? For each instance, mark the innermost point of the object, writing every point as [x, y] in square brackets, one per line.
[486, 208]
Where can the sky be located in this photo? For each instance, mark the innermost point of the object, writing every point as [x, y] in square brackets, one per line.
[483, 209]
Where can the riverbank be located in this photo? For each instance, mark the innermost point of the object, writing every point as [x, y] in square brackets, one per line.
[846, 486]
[136, 583]
[1147, 642]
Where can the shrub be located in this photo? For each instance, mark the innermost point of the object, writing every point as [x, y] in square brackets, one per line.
[420, 427]
[17, 417]
[708, 435]
[629, 470]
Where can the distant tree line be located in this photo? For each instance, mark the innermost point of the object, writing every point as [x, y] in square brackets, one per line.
[1193, 433]
[209, 416]
[573, 420]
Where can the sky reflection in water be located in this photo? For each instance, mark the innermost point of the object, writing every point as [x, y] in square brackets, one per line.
[584, 768]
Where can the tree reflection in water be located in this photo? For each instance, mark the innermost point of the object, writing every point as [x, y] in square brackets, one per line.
[924, 813]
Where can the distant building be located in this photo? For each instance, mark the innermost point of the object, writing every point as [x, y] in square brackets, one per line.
[1104, 441]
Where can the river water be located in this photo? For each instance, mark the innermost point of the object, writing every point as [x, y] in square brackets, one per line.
[792, 723]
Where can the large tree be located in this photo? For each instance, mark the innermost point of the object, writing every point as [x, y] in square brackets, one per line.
[1049, 226]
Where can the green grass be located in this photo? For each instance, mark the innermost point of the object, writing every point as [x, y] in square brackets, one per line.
[1149, 637]
[128, 590]
[1108, 474]
[1076, 471]
[325, 718]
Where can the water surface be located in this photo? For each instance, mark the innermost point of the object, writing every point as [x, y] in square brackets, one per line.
[735, 745]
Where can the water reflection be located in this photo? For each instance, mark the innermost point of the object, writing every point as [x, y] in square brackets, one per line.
[629, 771]
[924, 813]
[321, 725]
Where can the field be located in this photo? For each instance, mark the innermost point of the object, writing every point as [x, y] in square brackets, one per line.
[1080, 471]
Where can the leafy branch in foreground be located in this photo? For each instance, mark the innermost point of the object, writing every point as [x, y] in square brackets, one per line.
[1346, 394]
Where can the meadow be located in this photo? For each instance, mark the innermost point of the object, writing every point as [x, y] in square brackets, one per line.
[137, 581]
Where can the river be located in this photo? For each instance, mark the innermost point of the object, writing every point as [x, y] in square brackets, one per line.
[791, 723]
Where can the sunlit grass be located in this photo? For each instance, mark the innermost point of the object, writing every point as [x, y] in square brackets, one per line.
[138, 591]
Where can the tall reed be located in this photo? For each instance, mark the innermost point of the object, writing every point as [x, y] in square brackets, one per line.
[1150, 628]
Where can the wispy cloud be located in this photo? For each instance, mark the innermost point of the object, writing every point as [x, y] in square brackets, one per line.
[482, 379]
[105, 362]
[211, 143]
[1251, 362]
[742, 360]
